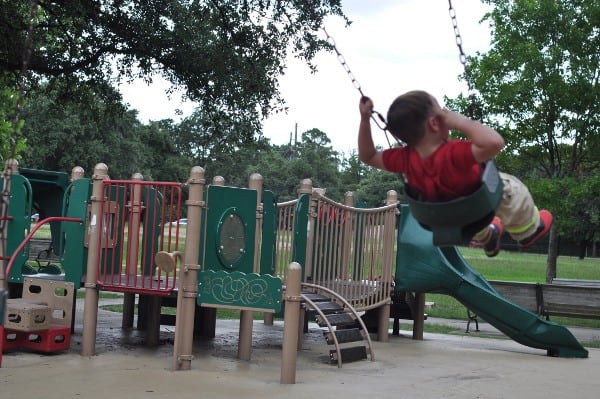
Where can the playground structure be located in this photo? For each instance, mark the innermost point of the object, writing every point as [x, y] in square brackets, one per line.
[243, 250]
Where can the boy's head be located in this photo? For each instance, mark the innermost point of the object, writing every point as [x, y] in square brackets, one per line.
[407, 116]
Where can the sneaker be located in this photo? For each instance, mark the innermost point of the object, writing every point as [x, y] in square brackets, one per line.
[542, 230]
[492, 246]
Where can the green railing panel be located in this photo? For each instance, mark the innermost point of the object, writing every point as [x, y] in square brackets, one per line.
[237, 290]
[19, 209]
[48, 189]
[269, 233]
[230, 229]
[73, 235]
[301, 231]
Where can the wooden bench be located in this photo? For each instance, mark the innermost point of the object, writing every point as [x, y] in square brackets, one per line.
[563, 297]
[526, 295]
[572, 298]
[41, 250]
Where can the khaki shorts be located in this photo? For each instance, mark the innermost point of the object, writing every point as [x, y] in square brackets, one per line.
[516, 210]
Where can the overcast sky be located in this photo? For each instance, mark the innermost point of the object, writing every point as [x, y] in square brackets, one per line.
[391, 47]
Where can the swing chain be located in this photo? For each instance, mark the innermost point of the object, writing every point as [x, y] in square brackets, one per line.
[473, 106]
[376, 116]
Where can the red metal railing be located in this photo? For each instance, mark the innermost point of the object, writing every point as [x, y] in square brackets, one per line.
[138, 220]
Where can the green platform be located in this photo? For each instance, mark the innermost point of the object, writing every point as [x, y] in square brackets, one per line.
[422, 267]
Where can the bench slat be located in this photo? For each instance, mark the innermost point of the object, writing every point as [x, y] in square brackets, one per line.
[576, 282]
[570, 298]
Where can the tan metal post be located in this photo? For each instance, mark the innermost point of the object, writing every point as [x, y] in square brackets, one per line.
[245, 335]
[11, 168]
[306, 187]
[346, 235]
[77, 173]
[419, 319]
[389, 233]
[301, 322]
[313, 213]
[246, 316]
[134, 239]
[291, 326]
[188, 275]
[268, 318]
[90, 309]
[255, 182]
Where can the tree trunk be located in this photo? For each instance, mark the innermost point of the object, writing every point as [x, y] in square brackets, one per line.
[583, 249]
[552, 255]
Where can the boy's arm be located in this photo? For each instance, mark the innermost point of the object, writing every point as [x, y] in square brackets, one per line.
[487, 143]
[367, 152]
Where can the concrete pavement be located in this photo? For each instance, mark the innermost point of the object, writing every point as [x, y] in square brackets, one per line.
[440, 366]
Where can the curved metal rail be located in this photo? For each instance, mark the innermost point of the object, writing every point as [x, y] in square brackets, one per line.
[27, 238]
[349, 307]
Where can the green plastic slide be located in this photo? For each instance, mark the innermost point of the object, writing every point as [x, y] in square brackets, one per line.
[423, 267]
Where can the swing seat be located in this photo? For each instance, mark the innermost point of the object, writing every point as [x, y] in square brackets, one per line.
[456, 222]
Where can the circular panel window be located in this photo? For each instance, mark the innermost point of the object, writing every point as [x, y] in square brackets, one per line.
[232, 237]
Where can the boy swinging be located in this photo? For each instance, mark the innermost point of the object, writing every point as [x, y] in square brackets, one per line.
[441, 169]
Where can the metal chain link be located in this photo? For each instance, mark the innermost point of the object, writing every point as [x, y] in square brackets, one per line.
[473, 106]
[375, 116]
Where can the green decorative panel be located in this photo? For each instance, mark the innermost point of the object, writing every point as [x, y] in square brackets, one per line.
[230, 229]
[75, 253]
[239, 290]
[48, 190]
[301, 230]
[269, 233]
[19, 209]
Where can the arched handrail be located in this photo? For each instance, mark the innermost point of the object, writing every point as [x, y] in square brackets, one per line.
[334, 295]
[27, 238]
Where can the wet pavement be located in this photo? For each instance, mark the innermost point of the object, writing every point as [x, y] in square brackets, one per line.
[440, 366]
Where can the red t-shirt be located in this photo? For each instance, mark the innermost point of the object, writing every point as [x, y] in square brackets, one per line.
[450, 172]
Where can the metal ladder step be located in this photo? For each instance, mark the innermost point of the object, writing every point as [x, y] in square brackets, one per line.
[345, 329]
[337, 319]
[329, 307]
[316, 297]
[343, 336]
[351, 354]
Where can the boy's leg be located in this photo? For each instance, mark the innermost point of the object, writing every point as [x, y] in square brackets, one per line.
[490, 237]
[544, 226]
[518, 213]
